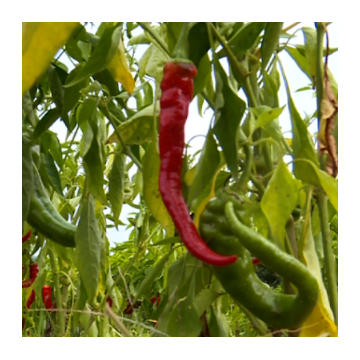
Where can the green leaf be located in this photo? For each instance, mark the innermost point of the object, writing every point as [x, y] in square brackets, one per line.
[204, 70]
[218, 324]
[52, 172]
[116, 185]
[55, 149]
[84, 321]
[303, 147]
[87, 109]
[27, 175]
[45, 123]
[279, 200]
[72, 93]
[184, 320]
[138, 129]
[150, 278]
[56, 87]
[246, 37]
[93, 164]
[206, 168]
[299, 59]
[173, 31]
[101, 56]
[270, 41]
[168, 241]
[105, 78]
[204, 299]
[199, 43]
[152, 63]
[89, 244]
[152, 197]
[310, 38]
[231, 109]
[268, 116]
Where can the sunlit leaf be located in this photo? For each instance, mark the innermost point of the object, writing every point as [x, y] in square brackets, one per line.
[40, 42]
[152, 196]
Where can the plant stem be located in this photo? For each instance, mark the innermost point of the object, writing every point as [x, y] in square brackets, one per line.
[126, 148]
[156, 37]
[60, 314]
[329, 258]
[319, 69]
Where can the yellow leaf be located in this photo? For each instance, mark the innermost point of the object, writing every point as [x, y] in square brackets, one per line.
[119, 69]
[41, 41]
[321, 320]
[152, 195]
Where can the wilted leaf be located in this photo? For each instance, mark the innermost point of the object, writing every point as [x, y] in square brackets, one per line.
[321, 320]
[119, 69]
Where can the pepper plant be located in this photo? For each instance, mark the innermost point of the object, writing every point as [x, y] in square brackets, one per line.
[238, 238]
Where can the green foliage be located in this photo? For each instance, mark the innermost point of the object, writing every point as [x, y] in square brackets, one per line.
[146, 281]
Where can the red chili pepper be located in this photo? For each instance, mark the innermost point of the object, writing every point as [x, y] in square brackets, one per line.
[130, 309]
[26, 283]
[177, 92]
[156, 299]
[109, 301]
[256, 261]
[34, 270]
[31, 299]
[47, 296]
[26, 237]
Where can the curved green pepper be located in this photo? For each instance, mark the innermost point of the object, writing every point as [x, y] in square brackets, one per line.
[44, 217]
[225, 234]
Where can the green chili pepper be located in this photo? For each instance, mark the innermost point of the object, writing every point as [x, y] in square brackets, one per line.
[44, 217]
[226, 235]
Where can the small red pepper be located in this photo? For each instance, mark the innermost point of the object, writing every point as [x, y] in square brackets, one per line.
[27, 236]
[256, 261]
[34, 270]
[109, 300]
[156, 299]
[47, 296]
[31, 299]
[177, 92]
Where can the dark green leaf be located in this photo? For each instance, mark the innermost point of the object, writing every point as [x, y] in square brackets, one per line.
[45, 123]
[72, 94]
[116, 185]
[199, 43]
[52, 172]
[27, 106]
[55, 149]
[105, 78]
[89, 245]
[231, 109]
[56, 87]
[27, 176]
[150, 278]
[87, 109]
[93, 164]
[102, 55]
